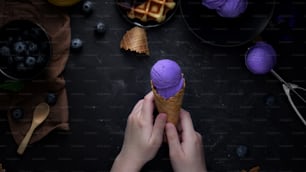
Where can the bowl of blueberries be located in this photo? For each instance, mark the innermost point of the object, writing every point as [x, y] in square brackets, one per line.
[25, 50]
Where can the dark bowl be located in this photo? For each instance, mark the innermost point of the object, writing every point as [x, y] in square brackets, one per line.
[213, 29]
[123, 8]
[25, 50]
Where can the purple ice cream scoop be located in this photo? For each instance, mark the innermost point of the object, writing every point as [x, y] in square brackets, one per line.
[232, 8]
[166, 76]
[260, 58]
[213, 4]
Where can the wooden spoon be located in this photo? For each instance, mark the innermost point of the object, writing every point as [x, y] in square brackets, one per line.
[40, 114]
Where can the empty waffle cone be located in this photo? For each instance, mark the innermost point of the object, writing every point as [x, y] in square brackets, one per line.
[135, 40]
[171, 106]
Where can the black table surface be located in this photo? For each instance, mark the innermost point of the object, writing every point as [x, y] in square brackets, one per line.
[229, 105]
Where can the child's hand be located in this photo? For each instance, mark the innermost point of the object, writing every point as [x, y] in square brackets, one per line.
[187, 155]
[142, 139]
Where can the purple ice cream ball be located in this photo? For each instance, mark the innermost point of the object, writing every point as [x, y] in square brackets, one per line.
[213, 4]
[260, 58]
[232, 8]
[166, 76]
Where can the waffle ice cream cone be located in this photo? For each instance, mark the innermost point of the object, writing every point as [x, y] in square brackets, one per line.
[152, 10]
[135, 40]
[170, 106]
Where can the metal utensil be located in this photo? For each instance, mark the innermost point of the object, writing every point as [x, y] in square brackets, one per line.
[287, 87]
[260, 59]
[41, 112]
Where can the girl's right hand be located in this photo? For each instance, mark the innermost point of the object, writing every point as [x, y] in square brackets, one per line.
[185, 155]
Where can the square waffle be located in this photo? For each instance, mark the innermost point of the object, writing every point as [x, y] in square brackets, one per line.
[152, 10]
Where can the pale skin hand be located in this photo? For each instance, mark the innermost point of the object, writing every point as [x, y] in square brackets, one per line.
[142, 138]
[185, 155]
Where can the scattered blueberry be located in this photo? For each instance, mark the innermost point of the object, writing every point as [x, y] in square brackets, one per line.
[76, 43]
[30, 61]
[17, 113]
[32, 47]
[5, 51]
[19, 47]
[87, 7]
[100, 28]
[241, 151]
[51, 98]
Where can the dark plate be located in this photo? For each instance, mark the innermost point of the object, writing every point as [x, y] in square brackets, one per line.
[35, 43]
[213, 29]
[149, 24]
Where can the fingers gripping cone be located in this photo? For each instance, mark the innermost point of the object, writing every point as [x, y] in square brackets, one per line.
[170, 106]
[168, 86]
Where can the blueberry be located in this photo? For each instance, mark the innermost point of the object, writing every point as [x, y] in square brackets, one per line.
[32, 47]
[100, 28]
[51, 98]
[30, 61]
[5, 51]
[17, 113]
[76, 43]
[87, 7]
[241, 151]
[19, 47]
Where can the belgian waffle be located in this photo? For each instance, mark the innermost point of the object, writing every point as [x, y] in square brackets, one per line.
[152, 10]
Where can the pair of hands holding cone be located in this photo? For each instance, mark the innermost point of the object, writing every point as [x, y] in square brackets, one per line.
[143, 136]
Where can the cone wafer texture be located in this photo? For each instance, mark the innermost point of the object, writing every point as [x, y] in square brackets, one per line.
[135, 40]
[171, 106]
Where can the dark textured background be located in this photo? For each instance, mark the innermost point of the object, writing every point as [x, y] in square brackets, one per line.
[228, 104]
